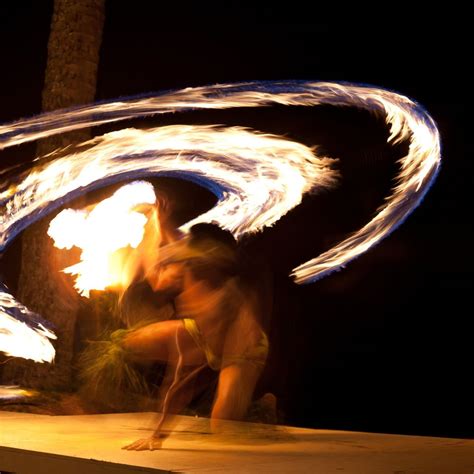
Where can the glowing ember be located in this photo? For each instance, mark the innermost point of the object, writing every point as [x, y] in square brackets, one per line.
[111, 225]
[257, 178]
[13, 392]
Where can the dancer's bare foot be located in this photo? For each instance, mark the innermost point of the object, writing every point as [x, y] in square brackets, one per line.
[264, 410]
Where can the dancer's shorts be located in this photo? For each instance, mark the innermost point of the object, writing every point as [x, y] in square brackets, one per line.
[257, 354]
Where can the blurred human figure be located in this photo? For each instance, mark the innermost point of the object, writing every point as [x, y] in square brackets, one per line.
[136, 305]
[217, 325]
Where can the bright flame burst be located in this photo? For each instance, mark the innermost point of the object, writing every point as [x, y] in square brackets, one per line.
[256, 177]
[110, 226]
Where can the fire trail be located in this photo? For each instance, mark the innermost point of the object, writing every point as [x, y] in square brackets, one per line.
[256, 177]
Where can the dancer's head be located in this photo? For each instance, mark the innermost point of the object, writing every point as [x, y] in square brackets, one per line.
[216, 254]
[205, 233]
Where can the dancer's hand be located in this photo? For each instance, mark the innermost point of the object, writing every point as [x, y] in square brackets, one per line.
[145, 444]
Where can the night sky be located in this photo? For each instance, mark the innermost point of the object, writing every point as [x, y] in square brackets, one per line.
[384, 345]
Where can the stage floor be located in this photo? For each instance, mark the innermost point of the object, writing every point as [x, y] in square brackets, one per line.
[91, 444]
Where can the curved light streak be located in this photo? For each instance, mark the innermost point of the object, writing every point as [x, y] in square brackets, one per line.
[256, 177]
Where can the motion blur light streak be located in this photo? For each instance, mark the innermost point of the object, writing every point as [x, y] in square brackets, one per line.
[257, 177]
[12, 392]
[22, 333]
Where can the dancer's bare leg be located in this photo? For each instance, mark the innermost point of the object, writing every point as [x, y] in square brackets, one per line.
[183, 357]
[157, 342]
[234, 393]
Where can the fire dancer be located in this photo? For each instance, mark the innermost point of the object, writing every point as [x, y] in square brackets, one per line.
[216, 325]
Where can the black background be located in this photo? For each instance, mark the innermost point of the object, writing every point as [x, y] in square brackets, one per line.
[384, 345]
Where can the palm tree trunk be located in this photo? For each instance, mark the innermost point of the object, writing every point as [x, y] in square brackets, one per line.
[70, 79]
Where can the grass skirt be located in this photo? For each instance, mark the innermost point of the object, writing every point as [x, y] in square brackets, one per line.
[107, 374]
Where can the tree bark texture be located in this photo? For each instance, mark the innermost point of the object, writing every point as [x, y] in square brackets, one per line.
[70, 79]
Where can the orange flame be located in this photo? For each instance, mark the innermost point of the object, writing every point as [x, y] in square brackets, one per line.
[108, 235]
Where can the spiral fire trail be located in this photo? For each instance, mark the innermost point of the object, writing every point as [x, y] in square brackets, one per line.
[257, 177]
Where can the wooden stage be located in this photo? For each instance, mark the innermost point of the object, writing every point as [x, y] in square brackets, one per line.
[90, 444]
